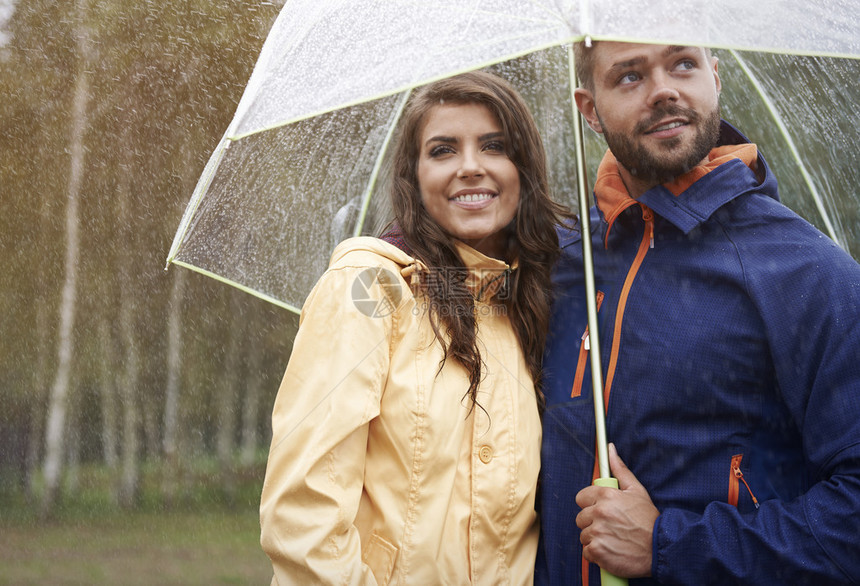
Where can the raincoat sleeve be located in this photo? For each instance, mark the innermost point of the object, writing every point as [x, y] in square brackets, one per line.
[314, 478]
[811, 309]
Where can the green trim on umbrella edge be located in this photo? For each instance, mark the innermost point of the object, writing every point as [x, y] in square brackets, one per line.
[777, 118]
[244, 288]
[371, 184]
[200, 190]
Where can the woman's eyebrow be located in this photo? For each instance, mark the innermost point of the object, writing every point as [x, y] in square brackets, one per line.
[447, 139]
[491, 135]
[454, 139]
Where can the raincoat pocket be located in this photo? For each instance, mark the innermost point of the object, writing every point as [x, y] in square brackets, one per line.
[379, 555]
[576, 391]
[735, 479]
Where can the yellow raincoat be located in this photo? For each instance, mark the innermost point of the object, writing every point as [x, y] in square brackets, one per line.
[378, 473]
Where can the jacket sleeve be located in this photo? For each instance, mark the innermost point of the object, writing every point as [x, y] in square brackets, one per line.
[314, 477]
[808, 294]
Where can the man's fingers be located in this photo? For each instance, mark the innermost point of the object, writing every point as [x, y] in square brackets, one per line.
[583, 520]
[586, 497]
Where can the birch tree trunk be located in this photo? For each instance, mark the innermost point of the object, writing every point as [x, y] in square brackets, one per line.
[129, 482]
[174, 378]
[252, 395]
[188, 173]
[108, 393]
[59, 395]
[227, 395]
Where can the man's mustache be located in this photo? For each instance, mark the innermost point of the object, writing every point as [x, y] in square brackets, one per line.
[672, 110]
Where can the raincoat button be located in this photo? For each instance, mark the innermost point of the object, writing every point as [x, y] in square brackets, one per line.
[485, 454]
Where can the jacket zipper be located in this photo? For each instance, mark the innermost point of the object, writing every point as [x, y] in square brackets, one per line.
[646, 244]
[584, 347]
[735, 478]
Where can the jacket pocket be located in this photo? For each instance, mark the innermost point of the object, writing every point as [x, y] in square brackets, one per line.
[584, 346]
[735, 479]
[379, 555]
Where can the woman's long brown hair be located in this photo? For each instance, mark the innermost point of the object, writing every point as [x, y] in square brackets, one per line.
[532, 234]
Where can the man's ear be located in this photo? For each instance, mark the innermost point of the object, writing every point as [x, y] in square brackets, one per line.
[715, 65]
[585, 103]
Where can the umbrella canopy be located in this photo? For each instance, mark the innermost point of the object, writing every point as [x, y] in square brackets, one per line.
[297, 170]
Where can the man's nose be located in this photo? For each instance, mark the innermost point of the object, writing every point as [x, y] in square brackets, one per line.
[663, 89]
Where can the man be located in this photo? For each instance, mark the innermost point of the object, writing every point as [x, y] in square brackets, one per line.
[730, 341]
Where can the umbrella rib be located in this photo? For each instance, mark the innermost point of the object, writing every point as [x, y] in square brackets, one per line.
[371, 184]
[199, 191]
[777, 118]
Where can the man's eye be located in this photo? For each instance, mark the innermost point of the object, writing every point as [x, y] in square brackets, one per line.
[687, 65]
[630, 77]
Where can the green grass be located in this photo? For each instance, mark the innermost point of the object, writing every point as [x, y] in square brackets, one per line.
[220, 547]
[204, 534]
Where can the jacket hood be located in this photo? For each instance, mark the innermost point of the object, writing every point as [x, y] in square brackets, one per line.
[374, 245]
[687, 201]
[486, 275]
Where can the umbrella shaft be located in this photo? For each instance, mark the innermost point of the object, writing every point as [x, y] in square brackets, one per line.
[590, 289]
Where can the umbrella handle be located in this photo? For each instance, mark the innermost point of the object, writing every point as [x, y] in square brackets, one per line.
[607, 579]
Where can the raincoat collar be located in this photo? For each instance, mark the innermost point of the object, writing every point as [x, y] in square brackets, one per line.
[487, 276]
[735, 167]
[485, 279]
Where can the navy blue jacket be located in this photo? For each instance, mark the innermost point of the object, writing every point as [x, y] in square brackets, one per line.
[737, 373]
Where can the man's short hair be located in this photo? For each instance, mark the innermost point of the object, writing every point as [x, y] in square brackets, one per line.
[583, 58]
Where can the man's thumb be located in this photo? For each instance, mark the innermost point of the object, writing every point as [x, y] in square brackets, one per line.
[626, 479]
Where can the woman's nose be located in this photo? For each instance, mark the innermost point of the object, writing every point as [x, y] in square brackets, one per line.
[470, 165]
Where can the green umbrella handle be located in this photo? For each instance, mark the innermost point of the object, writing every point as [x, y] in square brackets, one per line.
[607, 579]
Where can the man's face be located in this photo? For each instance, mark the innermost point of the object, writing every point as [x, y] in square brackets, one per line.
[656, 105]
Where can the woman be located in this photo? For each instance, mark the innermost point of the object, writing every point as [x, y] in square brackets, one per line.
[406, 433]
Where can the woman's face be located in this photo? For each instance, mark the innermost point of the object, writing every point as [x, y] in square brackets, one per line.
[467, 182]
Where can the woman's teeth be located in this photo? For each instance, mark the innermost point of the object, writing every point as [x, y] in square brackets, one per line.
[473, 197]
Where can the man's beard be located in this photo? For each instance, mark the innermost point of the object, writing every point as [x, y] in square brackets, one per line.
[660, 167]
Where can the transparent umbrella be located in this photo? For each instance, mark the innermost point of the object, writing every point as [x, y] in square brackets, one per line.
[302, 164]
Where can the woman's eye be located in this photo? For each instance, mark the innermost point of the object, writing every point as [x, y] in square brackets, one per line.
[495, 146]
[439, 150]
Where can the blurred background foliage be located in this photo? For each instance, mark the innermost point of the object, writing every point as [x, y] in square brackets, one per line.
[165, 379]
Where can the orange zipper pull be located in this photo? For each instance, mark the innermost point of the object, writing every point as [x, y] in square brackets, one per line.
[648, 216]
[740, 476]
